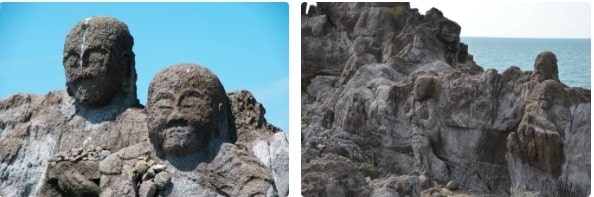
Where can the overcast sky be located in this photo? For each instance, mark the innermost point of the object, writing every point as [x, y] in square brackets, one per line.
[513, 19]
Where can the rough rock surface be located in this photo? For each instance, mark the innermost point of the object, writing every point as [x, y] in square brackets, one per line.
[99, 109]
[393, 98]
[35, 127]
[52, 144]
[192, 127]
[261, 139]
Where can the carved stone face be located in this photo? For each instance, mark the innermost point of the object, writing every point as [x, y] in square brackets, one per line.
[545, 66]
[423, 88]
[450, 31]
[549, 90]
[185, 109]
[97, 66]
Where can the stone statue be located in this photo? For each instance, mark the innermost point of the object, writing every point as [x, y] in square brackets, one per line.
[99, 62]
[66, 133]
[425, 128]
[192, 135]
[538, 141]
[545, 67]
[188, 116]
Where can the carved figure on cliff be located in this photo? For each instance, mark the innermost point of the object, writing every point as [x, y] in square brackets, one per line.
[192, 132]
[425, 127]
[99, 61]
[545, 67]
[64, 134]
[540, 134]
[100, 76]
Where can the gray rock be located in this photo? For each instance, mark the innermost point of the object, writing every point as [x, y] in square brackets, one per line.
[452, 185]
[424, 104]
[105, 116]
[159, 167]
[93, 155]
[103, 154]
[150, 173]
[88, 112]
[279, 149]
[262, 151]
[162, 180]
[210, 164]
[141, 166]
[147, 189]
[425, 182]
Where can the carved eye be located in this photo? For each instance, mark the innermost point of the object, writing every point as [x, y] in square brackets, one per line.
[190, 102]
[163, 106]
[71, 61]
[96, 57]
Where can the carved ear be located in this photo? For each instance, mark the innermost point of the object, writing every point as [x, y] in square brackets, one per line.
[126, 62]
[69, 91]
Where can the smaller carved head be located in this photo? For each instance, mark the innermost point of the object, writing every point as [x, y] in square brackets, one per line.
[187, 109]
[99, 61]
[548, 93]
[423, 88]
[545, 66]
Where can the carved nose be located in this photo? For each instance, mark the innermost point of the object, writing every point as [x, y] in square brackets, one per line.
[175, 114]
[176, 118]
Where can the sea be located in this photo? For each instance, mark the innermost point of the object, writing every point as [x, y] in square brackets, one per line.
[573, 55]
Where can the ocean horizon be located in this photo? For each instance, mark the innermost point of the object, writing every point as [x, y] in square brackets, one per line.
[573, 55]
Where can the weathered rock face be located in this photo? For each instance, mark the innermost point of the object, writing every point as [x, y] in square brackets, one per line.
[91, 46]
[261, 138]
[51, 126]
[394, 96]
[53, 144]
[192, 125]
[100, 109]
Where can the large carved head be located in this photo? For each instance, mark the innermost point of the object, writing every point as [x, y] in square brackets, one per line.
[99, 61]
[423, 88]
[188, 109]
[545, 67]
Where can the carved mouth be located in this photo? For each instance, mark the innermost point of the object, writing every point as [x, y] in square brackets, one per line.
[81, 78]
[84, 86]
[178, 133]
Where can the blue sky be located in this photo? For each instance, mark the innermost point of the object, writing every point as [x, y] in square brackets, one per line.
[245, 44]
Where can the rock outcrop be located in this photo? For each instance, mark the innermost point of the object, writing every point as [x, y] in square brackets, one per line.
[36, 127]
[393, 105]
[53, 144]
[261, 138]
[192, 130]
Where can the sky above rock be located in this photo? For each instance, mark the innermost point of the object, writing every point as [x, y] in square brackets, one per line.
[245, 44]
[516, 19]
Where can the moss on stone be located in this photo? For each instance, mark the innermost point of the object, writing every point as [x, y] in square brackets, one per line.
[394, 12]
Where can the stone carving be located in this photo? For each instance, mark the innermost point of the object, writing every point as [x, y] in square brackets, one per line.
[99, 109]
[188, 111]
[99, 61]
[425, 128]
[192, 131]
[52, 145]
[425, 106]
[545, 67]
